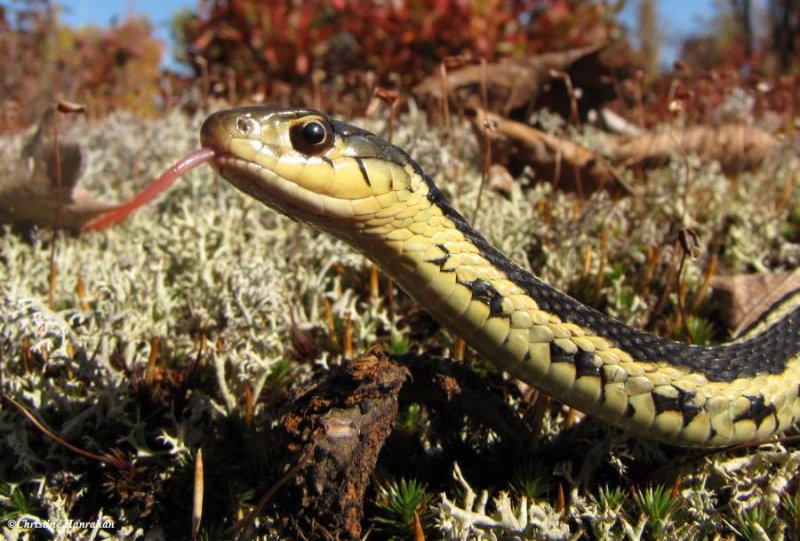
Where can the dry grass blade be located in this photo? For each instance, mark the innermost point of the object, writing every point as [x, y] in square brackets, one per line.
[51, 285]
[459, 350]
[151, 370]
[2, 360]
[391, 98]
[112, 460]
[249, 406]
[687, 241]
[347, 337]
[419, 532]
[197, 500]
[374, 283]
[487, 149]
[445, 99]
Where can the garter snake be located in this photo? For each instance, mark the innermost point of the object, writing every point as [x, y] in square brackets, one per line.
[352, 184]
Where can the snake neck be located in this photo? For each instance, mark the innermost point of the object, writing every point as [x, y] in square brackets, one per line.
[672, 391]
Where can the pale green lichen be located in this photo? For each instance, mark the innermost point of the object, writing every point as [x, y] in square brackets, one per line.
[474, 517]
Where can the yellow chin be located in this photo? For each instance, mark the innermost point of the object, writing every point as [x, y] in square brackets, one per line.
[290, 198]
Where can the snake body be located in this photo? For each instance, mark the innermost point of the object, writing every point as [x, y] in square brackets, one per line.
[359, 188]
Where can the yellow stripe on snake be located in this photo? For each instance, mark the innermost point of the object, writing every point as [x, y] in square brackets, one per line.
[357, 187]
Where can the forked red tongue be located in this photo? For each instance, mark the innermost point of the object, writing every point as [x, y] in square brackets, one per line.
[151, 191]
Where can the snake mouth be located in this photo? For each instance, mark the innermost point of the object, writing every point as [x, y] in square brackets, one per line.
[270, 188]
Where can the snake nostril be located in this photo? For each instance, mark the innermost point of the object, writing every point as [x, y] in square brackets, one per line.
[244, 125]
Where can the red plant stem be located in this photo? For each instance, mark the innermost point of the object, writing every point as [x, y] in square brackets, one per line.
[151, 191]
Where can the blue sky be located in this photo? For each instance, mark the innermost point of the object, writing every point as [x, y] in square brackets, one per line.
[105, 13]
[679, 18]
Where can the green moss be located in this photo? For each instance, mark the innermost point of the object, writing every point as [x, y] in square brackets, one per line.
[529, 481]
[658, 506]
[400, 505]
[754, 523]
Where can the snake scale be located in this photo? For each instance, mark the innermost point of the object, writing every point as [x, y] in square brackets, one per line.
[352, 184]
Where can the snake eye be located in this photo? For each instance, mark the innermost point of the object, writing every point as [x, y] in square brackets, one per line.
[314, 133]
[310, 138]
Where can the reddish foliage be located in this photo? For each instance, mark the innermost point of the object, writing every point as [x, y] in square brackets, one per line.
[717, 70]
[271, 44]
[43, 62]
[706, 96]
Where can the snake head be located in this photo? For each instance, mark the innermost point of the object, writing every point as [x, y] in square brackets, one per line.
[310, 167]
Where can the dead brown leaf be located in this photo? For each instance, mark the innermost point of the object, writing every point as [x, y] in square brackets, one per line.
[567, 165]
[511, 83]
[737, 147]
[30, 195]
[743, 298]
